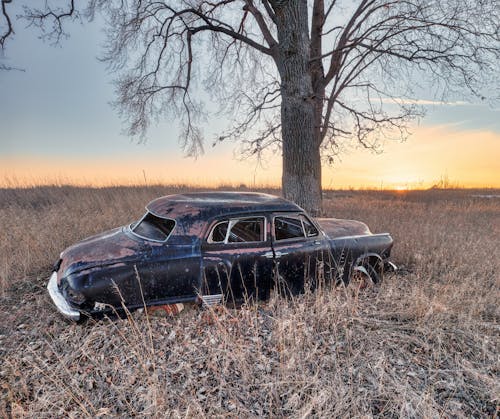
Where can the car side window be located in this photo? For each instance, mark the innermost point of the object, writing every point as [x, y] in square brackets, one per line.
[287, 228]
[244, 230]
[309, 228]
[219, 232]
[247, 230]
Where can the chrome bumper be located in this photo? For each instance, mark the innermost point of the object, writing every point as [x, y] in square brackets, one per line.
[62, 305]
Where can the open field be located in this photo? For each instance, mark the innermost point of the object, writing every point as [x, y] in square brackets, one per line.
[426, 344]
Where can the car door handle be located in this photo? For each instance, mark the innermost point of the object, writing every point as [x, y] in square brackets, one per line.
[277, 255]
[317, 242]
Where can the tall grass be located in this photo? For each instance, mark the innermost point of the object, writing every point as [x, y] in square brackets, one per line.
[425, 344]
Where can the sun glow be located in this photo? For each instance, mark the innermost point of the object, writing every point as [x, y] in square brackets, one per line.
[401, 188]
[433, 156]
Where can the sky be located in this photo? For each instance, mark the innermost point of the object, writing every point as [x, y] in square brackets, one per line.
[56, 125]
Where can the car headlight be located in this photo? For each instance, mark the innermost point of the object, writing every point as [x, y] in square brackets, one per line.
[71, 295]
[75, 297]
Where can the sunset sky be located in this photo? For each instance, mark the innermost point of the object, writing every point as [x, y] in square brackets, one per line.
[56, 124]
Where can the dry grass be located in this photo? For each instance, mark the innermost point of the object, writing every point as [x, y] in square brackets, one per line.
[425, 345]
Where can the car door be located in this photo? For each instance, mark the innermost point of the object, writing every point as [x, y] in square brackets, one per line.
[299, 248]
[170, 272]
[167, 267]
[237, 258]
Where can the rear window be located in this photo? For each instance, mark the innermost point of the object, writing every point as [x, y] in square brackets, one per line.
[154, 228]
[310, 230]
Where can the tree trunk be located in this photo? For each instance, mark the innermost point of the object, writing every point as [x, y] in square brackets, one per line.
[301, 179]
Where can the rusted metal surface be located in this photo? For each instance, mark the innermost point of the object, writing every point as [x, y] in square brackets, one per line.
[101, 250]
[119, 267]
[192, 210]
[335, 227]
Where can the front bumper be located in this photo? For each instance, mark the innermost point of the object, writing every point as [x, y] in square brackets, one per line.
[62, 305]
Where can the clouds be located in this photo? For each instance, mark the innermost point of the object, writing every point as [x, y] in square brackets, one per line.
[55, 124]
[424, 102]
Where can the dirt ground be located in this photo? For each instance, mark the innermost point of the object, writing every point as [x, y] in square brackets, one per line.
[425, 344]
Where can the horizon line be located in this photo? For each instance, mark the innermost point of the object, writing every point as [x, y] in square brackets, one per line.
[233, 186]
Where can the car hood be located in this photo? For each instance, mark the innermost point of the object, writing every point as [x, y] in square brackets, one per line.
[108, 248]
[334, 227]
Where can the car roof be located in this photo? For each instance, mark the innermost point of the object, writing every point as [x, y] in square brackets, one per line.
[205, 205]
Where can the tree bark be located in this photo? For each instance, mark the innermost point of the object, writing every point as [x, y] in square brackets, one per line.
[301, 179]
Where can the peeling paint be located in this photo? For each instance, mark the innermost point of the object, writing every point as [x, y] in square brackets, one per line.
[118, 268]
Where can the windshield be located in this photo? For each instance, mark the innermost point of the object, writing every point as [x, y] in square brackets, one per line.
[152, 227]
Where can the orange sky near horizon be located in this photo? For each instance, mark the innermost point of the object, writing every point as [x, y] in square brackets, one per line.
[468, 159]
[56, 127]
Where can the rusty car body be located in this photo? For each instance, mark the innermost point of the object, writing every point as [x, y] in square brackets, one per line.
[210, 247]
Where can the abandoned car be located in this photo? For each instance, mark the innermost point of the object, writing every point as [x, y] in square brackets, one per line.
[213, 247]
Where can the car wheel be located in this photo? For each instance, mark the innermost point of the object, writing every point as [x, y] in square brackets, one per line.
[367, 275]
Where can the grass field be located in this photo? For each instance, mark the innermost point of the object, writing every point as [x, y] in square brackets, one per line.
[426, 344]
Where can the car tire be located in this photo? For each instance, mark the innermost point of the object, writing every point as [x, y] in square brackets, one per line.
[367, 274]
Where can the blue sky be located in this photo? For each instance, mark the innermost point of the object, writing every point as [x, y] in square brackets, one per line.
[56, 122]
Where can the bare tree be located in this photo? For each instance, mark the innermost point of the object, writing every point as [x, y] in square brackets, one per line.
[301, 76]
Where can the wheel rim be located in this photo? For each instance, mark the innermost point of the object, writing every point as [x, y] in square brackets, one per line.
[361, 278]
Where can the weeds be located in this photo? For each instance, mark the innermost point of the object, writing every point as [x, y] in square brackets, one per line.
[424, 344]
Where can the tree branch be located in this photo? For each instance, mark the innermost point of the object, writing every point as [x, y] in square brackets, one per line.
[271, 42]
[269, 10]
[38, 18]
[10, 30]
[233, 35]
